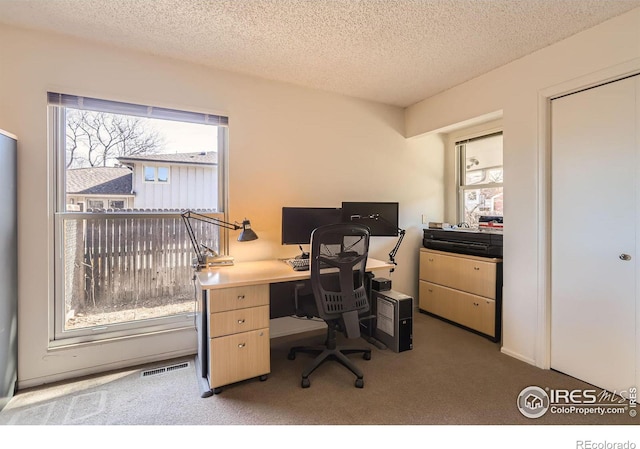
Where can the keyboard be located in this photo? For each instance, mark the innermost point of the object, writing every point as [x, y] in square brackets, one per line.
[302, 264]
[298, 264]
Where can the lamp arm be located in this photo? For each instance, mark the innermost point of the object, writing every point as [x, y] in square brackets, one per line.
[214, 221]
[192, 237]
[187, 215]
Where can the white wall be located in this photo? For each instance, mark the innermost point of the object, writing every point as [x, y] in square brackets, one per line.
[289, 146]
[520, 90]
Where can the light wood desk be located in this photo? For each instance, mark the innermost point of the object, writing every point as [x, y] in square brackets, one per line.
[233, 319]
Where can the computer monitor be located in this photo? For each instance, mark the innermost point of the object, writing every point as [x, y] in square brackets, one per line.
[380, 217]
[299, 222]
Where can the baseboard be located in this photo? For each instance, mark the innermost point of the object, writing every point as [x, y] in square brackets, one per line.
[104, 368]
[518, 356]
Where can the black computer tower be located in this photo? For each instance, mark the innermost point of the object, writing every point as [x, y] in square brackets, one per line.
[394, 319]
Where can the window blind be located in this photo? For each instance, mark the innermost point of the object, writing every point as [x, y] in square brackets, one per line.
[118, 107]
[474, 139]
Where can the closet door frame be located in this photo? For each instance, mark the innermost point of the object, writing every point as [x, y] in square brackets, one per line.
[545, 96]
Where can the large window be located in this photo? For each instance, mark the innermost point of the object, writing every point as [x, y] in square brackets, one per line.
[121, 271]
[480, 190]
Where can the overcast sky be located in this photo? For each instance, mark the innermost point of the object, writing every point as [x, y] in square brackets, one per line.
[183, 137]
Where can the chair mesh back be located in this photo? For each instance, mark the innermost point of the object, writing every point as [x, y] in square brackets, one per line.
[343, 248]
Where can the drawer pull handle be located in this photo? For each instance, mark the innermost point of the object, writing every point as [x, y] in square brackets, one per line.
[430, 259]
[242, 345]
[430, 290]
[240, 297]
[476, 268]
[241, 321]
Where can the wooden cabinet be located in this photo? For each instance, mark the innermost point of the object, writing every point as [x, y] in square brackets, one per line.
[466, 290]
[238, 334]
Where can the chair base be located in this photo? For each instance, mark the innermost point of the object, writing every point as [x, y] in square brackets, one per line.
[324, 353]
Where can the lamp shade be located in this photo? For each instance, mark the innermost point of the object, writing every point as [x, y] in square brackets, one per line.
[247, 233]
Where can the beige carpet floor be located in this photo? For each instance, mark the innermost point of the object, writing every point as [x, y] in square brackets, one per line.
[450, 377]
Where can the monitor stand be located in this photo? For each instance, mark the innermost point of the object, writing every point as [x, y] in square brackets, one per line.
[304, 255]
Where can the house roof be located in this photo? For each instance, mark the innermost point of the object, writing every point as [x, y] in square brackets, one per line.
[99, 181]
[200, 158]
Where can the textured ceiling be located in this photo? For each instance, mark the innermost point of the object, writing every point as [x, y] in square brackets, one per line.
[391, 51]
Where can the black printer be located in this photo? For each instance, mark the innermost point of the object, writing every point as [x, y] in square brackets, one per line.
[464, 241]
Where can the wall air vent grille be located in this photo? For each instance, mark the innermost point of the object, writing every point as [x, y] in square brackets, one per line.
[164, 369]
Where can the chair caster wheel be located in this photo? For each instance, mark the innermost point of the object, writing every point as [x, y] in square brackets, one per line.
[305, 383]
[217, 390]
[263, 377]
[366, 356]
[291, 356]
[359, 383]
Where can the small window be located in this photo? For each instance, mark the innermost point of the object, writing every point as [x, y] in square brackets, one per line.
[156, 174]
[95, 204]
[116, 204]
[150, 174]
[163, 174]
[481, 173]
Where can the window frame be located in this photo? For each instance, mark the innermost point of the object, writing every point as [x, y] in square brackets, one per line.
[462, 187]
[160, 181]
[110, 202]
[149, 168]
[156, 174]
[95, 200]
[58, 336]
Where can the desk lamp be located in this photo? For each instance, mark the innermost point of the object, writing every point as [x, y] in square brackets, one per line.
[207, 257]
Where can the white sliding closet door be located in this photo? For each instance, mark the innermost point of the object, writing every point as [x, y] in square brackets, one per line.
[595, 219]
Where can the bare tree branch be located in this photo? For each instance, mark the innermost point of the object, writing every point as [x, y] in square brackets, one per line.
[97, 139]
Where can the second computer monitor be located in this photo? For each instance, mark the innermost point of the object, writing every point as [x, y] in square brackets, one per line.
[380, 217]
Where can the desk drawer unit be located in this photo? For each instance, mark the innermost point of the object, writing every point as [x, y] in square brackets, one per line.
[238, 334]
[238, 357]
[463, 289]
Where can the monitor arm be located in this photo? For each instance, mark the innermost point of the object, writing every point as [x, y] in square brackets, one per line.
[401, 233]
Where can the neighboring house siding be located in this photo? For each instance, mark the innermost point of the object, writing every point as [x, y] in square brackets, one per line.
[192, 183]
[188, 187]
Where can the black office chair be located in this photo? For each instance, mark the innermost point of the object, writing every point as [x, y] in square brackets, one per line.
[339, 297]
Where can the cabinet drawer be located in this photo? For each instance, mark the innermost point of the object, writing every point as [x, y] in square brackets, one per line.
[472, 311]
[240, 320]
[458, 272]
[238, 298]
[238, 357]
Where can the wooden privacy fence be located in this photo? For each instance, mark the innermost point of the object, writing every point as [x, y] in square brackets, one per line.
[122, 262]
